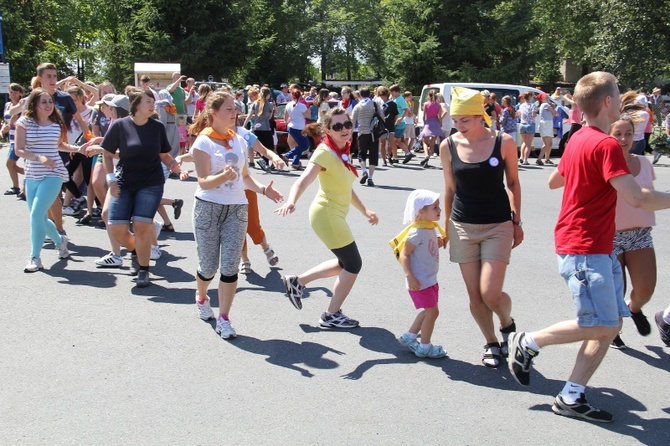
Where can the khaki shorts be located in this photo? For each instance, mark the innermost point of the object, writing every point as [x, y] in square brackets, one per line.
[472, 242]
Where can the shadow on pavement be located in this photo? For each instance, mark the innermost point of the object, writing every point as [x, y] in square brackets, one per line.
[660, 361]
[100, 278]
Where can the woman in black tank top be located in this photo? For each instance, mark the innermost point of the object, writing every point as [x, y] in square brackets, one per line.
[483, 207]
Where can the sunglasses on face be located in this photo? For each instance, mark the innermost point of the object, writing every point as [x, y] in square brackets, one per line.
[340, 125]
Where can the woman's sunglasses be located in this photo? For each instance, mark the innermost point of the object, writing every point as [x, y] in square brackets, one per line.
[340, 125]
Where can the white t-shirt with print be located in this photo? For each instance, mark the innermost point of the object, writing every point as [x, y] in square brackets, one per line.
[230, 192]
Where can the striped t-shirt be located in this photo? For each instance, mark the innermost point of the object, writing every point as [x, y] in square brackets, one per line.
[42, 140]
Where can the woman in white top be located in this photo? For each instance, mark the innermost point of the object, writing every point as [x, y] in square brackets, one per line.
[40, 135]
[295, 114]
[220, 212]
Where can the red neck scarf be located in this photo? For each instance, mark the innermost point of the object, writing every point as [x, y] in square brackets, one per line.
[345, 103]
[227, 138]
[342, 154]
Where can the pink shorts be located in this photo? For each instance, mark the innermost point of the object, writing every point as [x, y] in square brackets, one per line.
[425, 298]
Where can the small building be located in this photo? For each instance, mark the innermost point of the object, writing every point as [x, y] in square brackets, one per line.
[160, 73]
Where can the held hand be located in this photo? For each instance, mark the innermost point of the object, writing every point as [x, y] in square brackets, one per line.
[288, 208]
[229, 174]
[114, 189]
[372, 217]
[413, 283]
[273, 194]
[442, 241]
[518, 236]
[184, 175]
[93, 150]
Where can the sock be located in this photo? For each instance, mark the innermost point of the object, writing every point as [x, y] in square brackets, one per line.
[572, 392]
[144, 268]
[365, 170]
[530, 343]
[133, 252]
[116, 256]
[666, 315]
[426, 346]
[224, 317]
[411, 335]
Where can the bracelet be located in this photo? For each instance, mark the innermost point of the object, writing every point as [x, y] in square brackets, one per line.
[111, 178]
[37, 158]
[263, 191]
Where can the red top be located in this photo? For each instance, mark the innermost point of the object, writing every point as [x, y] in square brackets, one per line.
[586, 221]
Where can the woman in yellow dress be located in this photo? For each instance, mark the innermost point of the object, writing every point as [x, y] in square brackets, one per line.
[331, 163]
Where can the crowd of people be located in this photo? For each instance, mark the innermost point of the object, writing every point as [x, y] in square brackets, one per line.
[88, 145]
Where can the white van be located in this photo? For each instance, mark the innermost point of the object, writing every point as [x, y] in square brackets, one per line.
[500, 90]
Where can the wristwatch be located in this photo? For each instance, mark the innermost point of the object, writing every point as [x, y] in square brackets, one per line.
[517, 223]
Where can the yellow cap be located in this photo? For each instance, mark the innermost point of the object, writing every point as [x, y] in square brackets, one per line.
[465, 102]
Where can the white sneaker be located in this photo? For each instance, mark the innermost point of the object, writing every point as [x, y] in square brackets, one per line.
[111, 260]
[224, 328]
[155, 252]
[35, 264]
[63, 252]
[204, 310]
[70, 211]
[157, 227]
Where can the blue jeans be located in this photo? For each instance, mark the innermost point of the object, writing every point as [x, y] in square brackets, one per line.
[596, 282]
[139, 205]
[297, 151]
[40, 195]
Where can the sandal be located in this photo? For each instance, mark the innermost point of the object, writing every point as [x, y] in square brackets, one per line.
[177, 205]
[86, 219]
[492, 356]
[168, 228]
[272, 257]
[245, 267]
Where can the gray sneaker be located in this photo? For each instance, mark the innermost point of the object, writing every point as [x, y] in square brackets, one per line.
[35, 264]
[142, 280]
[63, 252]
[580, 409]
[294, 290]
[337, 320]
[521, 359]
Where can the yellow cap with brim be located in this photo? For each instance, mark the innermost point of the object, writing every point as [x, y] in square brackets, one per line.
[468, 102]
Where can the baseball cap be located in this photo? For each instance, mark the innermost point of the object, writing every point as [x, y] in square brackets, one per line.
[105, 98]
[120, 101]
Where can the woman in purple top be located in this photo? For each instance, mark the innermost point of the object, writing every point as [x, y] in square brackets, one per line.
[432, 125]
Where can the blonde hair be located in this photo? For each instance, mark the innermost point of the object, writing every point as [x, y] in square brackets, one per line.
[592, 89]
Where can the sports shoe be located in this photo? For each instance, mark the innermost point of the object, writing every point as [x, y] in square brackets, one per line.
[35, 264]
[177, 205]
[97, 212]
[337, 320]
[262, 164]
[224, 328]
[63, 252]
[424, 162]
[294, 290]
[641, 323]
[663, 328]
[408, 158]
[371, 183]
[157, 227]
[204, 309]
[155, 252]
[657, 156]
[142, 280]
[618, 343]
[548, 162]
[406, 341]
[134, 265]
[70, 211]
[521, 359]
[364, 178]
[111, 260]
[580, 409]
[539, 162]
[13, 191]
[433, 351]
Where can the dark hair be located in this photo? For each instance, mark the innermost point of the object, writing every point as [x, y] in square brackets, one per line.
[55, 115]
[296, 92]
[41, 68]
[328, 118]
[322, 97]
[364, 92]
[395, 87]
[16, 87]
[135, 98]
[145, 78]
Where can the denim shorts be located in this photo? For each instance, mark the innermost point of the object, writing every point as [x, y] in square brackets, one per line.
[399, 132]
[596, 283]
[136, 205]
[11, 154]
[527, 129]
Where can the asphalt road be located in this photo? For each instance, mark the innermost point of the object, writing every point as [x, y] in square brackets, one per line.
[86, 358]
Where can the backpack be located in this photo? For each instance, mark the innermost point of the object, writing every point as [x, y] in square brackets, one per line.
[377, 125]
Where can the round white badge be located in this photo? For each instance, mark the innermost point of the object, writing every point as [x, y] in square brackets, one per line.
[345, 158]
[493, 162]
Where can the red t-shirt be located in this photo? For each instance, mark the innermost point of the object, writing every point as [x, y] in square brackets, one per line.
[586, 221]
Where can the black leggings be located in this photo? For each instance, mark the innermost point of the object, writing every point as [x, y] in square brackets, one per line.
[368, 149]
[349, 258]
[86, 165]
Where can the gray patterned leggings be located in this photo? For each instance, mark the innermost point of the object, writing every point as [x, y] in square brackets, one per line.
[219, 235]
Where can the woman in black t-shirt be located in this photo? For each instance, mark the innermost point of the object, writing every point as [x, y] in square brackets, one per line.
[137, 185]
[483, 216]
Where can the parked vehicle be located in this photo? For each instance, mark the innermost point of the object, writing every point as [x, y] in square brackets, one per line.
[500, 90]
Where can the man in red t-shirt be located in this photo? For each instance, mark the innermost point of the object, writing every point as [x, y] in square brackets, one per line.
[593, 170]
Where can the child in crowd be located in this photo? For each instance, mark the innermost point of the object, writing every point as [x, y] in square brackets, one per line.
[183, 135]
[416, 248]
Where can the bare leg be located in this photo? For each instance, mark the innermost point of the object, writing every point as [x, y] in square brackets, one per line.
[343, 284]
[482, 314]
[115, 245]
[329, 268]
[226, 296]
[492, 279]
[428, 324]
[641, 265]
[415, 328]
[144, 232]
[56, 214]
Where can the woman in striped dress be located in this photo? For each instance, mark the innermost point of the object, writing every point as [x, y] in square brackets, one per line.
[40, 135]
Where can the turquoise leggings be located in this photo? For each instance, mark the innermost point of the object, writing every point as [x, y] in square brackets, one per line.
[40, 195]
